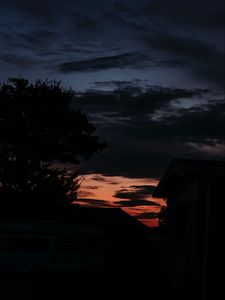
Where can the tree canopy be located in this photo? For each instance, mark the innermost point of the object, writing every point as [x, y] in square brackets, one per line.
[39, 125]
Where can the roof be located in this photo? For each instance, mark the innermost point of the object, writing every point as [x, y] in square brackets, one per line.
[185, 169]
[46, 228]
[113, 220]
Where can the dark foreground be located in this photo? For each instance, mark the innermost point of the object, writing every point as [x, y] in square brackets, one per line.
[82, 286]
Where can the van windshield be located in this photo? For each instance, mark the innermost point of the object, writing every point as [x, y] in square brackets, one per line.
[24, 244]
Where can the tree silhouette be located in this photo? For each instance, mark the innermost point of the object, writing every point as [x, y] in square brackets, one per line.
[40, 125]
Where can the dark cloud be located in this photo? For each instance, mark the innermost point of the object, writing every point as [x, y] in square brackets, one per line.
[145, 132]
[147, 215]
[99, 178]
[20, 61]
[121, 84]
[92, 187]
[151, 54]
[198, 15]
[85, 193]
[121, 61]
[134, 203]
[195, 124]
[203, 58]
[91, 36]
[113, 182]
[42, 10]
[38, 37]
[136, 195]
[144, 189]
[94, 202]
[130, 101]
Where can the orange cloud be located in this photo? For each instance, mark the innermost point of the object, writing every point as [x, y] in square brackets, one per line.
[133, 195]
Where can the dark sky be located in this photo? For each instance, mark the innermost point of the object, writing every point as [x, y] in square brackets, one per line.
[150, 73]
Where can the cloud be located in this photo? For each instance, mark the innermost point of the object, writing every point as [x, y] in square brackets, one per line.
[215, 148]
[20, 61]
[203, 59]
[147, 215]
[122, 84]
[94, 202]
[143, 189]
[135, 195]
[124, 60]
[133, 203]
[85, 193]
[156, 130]
[42, 10]
[38, 38]
[99, 178]
[170, 48]
[131, 101]
[135, 192]
[84, 36]
[92, 187]
[196, 125]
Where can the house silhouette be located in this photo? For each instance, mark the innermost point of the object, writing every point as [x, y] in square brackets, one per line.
[123, 238]
[194, 190]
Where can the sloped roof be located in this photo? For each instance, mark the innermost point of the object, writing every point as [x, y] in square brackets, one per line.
[180, 169]
[114, 220]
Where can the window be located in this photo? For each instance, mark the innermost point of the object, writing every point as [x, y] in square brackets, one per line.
[27, 244]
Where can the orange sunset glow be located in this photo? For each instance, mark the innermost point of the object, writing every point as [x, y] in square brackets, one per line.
[130, 194]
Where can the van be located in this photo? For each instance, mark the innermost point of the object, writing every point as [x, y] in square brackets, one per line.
[32, 253]
[49, 246]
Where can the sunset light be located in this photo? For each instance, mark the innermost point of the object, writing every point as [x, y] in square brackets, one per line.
[133, 195]
[112, 149]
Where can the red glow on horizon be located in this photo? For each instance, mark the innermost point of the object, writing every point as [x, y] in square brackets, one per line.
[99, 190]
[151, 222]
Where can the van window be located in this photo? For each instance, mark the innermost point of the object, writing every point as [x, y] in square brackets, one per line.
[24, 244]
[68, 245]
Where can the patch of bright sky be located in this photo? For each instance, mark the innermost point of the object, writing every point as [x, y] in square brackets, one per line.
[175, 106]
[216, 148]
[161, 76]
[101, 187]
[186, 103]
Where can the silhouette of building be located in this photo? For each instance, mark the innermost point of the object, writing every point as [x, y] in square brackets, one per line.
[194, 190]
[105, 240]
[48, 245]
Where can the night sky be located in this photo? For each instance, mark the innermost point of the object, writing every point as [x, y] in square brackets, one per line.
[150, 75]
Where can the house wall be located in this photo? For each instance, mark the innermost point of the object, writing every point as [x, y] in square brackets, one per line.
[182, 238]
[194, 237]
[213, 280]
